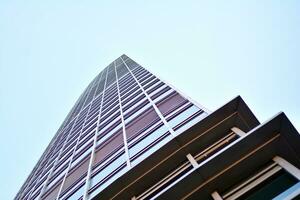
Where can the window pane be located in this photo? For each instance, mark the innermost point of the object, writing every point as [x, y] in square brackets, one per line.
[52, 194]
[148, 140]
[107, 170]
[170, 103]
[76, 173]
[109, 146]
[140, 123]
[151, 150]
[77, 194]
[180, 119]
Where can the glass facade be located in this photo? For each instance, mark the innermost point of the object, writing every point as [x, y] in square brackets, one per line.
[124, 115]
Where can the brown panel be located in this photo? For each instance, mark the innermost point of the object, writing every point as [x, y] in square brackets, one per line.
[170, 103]
[142, 122]
[53, 193]
[109, 146]
[75, 173]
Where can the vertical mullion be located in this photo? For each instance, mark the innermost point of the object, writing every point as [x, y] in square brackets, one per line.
[56, 160]
[123, 122]
[196, 103]
[42, 158]
[88, 178]
[151, 102]
[74, 151]
[40, 176]
[94, 96]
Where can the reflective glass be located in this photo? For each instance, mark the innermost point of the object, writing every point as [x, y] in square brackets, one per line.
[110, 133]
[82, 156]
[108, 170]
[76, 195]
[191, 123]
[147, 140]
[151, 150]
[139, 112]
[108, 182]
[182, 116]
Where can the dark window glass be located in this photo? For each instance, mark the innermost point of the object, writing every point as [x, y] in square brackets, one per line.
[169, 104]
[53, 192]
[75, 174]
[109, 147]
[141, 123]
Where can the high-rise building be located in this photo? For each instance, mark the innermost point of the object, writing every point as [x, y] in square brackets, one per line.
[132, 136]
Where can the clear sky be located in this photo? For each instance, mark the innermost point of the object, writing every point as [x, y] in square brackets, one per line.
[211, 50]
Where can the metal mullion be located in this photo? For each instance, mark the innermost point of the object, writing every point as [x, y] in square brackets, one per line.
[71, 159]
[89, 172]
[152, 103]
[42, 158]
[38, 178]
[35, 172]
[56, 159]
[176, 89]
[86, 98]
[94, 96]
[123, 122]
[53, 153]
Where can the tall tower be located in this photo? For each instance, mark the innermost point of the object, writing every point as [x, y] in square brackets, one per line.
[132, 136]
[123, 116]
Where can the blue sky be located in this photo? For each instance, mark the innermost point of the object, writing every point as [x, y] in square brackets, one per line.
[211, 50]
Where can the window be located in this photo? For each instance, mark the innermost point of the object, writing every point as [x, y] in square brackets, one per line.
[170, 103]
[85, 145]
[122, 70]
[110, 108]
[108, 147]
[109, 112]
[111, 118]
[76, 194]
[147, 80]
[76, 173]
[132, 103]
[131, 97]
[108, 170]
[56, 178]
[53, 192]
[82, 154]
[160, 92]
[110, 128]
[148, 141]
[188, 117]
[154, 87]
[131, 64]
[89, 124]
[151, 83]
[141, 123]
[136, 109]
